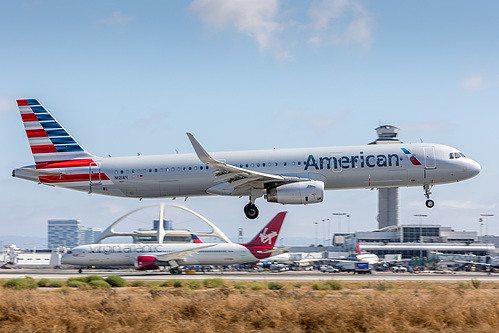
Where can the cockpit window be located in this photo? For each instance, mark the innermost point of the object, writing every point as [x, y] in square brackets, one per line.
[69, 252]
[456, 155]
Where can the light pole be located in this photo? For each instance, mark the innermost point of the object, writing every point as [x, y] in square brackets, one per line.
[339, 219]
[324, 232]
[348, 223]
[487, 222]
[316, 226]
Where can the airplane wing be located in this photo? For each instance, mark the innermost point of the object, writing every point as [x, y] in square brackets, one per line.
[177, 255]
[238, 178]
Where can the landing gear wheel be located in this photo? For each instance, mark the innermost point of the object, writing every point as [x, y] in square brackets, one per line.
[175, 270]
[251, 211]
[430, 203]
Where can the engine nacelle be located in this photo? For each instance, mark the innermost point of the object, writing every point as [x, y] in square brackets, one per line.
[298, 193]
[145, 262]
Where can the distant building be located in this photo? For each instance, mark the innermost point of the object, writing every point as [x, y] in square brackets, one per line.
[70, 233]
[419, 241]
[63, 233]
[89, 235]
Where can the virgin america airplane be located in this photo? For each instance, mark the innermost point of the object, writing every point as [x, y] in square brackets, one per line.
[286, 176]
[150, 256]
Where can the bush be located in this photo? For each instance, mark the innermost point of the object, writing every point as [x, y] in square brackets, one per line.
[328, 285]
[43, 282]
[20, 284]
[116, 281]
[215, 283]
[193, 284]
[275, 285]
[475, 283]
[56, 284]
[384, 286]
[258, 286]
[335, 284]
[241, 285]
[137, 283]
[75, 283]
[178, 283]
[168, 283]
[99, 284]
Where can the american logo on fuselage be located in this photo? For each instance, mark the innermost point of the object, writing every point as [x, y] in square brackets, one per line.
[353, 161]
[357, 161]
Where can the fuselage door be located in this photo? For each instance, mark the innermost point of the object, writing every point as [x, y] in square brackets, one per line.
[94, 171]
[430, 161]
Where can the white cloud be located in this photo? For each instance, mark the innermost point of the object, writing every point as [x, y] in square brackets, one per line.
[342, 22]
[345, 21]
[316, 123]
[256, 19]
[473, 83]
[6, 104]
[117, 18]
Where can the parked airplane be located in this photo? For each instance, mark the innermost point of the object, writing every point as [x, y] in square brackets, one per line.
[286, 176]
[150, 256]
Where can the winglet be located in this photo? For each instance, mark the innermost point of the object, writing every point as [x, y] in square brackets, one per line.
[200, 151]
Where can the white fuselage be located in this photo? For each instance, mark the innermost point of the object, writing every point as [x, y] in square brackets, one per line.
[348, 167]
[124, 254]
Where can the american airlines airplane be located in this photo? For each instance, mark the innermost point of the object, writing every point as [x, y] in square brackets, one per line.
[150, 256]
[286, 176]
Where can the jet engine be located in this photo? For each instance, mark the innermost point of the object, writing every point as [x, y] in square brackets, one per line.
[299, 193]
[145, 263]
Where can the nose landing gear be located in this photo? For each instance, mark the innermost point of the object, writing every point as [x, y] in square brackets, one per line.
[427, 191]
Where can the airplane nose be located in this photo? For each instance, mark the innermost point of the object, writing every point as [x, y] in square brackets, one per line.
[473, 168]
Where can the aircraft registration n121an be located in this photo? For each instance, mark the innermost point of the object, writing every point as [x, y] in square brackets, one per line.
[286, 176]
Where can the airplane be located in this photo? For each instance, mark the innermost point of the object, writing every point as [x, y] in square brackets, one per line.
[286, 176]
[151, 256]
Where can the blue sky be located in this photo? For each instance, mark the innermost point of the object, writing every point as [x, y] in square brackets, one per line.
[126, 77]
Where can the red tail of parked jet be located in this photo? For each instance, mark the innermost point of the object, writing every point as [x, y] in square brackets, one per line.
[262, 246]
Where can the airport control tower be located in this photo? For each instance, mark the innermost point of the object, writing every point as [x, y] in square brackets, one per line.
[388, 198]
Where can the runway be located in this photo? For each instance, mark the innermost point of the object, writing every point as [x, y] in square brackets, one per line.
[304, 276]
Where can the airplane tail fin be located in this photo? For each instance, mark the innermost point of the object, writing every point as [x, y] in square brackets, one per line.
[49, 141]
[268, 235]
[195, 239]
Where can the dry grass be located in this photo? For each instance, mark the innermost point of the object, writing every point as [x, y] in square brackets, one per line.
[419, 307]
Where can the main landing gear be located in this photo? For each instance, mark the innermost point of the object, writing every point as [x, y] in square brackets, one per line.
[251, 211]
[427, 191]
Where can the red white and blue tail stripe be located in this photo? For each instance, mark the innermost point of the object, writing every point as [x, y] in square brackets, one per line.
[48, 140]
